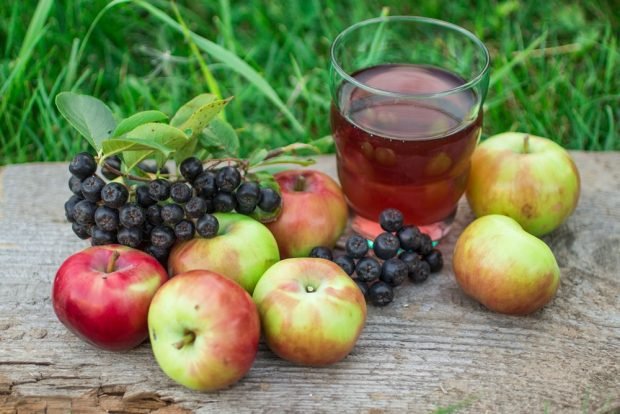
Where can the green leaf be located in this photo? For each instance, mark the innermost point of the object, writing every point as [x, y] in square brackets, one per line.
[118, 145]
[91, 117]
[265, 180]
[286, 159]
[184, 112]
[257, 156]
[202, 116]
[166, 135]
[219, 136]
[138, 119]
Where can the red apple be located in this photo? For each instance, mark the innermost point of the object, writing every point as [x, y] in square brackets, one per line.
[102, 294]
[314, 212]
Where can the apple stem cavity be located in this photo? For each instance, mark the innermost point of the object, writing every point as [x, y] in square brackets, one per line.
[310, 289]
[526, 144]
[111, 267]
[188, 339]
[300, 183]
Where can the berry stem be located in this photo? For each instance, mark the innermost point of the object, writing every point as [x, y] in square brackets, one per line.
[112, 262]
[122, 174]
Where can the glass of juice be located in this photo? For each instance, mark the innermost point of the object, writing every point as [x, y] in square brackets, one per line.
[406, 115]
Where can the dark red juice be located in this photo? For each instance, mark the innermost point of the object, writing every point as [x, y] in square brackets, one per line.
[410, 154]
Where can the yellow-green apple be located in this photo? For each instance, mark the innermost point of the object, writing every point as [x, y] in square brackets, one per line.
[204, 330]
[102, 295]
[504, 267]
[314, 212]
[529, 178]
[242, 250]
[311, 311]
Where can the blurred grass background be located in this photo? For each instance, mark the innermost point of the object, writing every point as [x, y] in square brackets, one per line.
[555, 65]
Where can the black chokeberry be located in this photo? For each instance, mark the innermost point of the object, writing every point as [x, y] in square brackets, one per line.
[106, 218]
[150, 166]
[162, 236]
[394, 271]
[228, 179]
[368, 269]
[180, 192]
[99, 237]
[363, 287]
[321, 252]
[91, 188]
[247, 195]
[84, 212]
[81, 230]
[143, 197]
[224, 202]
[244, 209]
[207, 226]
[195, 207]
[184, 230]
[420, 273]
[346, 263]
[75, 185]
[380, 294]
[159, 253]
[356, 246]
[131, 215]
[391, 219]
[153, 215]
[190, 168]
[204, 184]
[114, 195]
[434, 260]
[411, 259]
[426, 246]
[386, 245]
[111, 162]
[410, 238]
[159, 189]
[172, 213]
[270, 200]
[130, 236]
[83, 165]
[70, 205]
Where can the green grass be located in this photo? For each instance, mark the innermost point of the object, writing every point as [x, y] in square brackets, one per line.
[555, 65]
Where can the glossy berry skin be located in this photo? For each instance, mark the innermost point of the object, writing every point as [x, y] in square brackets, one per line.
[346, 263]
[153, 215]
[131, 215]
[434, 260]
[426, 246]
[142, 196]
[356, 246]
[159, 253]
[91, 188]
[101, 237]
[204, 184]
[149, 166]
[83, 165]
[114, 195]
[391, 219]
[363, 287]
[368, 269]
[409, 238]
[75, 185]
[245, 209]
[130, 236]
[172, 213]
[247, 195]
[70, 205]
[115, 162]
[180, 192]
[270, 200]
[420, 273]
[81, 230]
[162, 236]
[207, 226]
[190, 168]
[195, 207]
[386, 246]
[321, 252]
[184, 230]
[224, 202]
[106, 218]
[411, 259]
[84, 212]
[228, 179]
[380, 294]
[159, 189]
[394, 271]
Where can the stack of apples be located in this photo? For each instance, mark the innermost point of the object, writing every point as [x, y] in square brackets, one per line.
[205, 320]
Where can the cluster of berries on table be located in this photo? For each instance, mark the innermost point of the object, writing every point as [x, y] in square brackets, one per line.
[152, 215]
[378, 266]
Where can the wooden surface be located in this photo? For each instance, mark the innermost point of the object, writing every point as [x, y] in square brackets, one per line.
[433, 347]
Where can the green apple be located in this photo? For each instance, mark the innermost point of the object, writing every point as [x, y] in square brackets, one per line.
[204, 330]
[242, 250]
[504, 267]
[311, 311]
[529, 178]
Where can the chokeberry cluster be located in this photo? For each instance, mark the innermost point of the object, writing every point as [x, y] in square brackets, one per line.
[378, 266]
[153, 215]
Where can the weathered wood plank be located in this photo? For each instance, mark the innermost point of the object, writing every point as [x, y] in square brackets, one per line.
[433, 347]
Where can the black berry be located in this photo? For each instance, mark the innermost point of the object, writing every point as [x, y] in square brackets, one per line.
[247, 195]
[346, 263]
[363, 287]
[184, 230]
[269, 200]
[426, 246]
[245, 209]
[130, 236]
[190, 168]
[224, 202]
[356, 246]
[159, 189]
[204, 184]
[153, 215]
[207, 226]
[227, 179]
[386, 245]
[410, 238]
[91, 188]
[75, 185]
[321, 252]
[162, 236]
[114, 195]
[70, 205]
[180, 192]
[368, 269]
[394, 271]
[131, 215]
[106, 218]
[420, 273]
[115, 162]
[159, 253]
[434, 260]
[195, 207]
[151, 167]
[142, 196]
[84, 212]
[100, 237]
[81, 230]
[83, 165]
[380, 294]
[172, 213]
[411, 259]
[391, 219]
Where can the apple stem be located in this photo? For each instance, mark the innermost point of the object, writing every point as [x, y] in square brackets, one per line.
[112, 262]
[188, 338]
[526, 144]
[300, 183]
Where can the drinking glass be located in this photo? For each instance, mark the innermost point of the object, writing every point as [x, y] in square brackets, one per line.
[406, 115]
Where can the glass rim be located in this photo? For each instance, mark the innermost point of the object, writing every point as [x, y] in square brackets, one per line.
[419, 19]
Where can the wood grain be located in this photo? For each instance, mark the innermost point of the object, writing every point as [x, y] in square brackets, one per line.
[433, 347]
